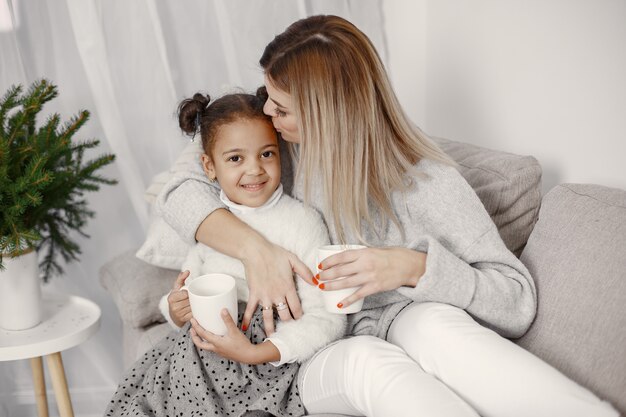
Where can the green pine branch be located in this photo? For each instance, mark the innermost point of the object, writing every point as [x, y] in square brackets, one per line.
[43, 178]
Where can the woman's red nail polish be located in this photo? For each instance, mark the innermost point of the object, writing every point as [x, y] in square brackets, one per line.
[244, 327]
[339, 305]
[319, 266]
[315, 281]
[322, 286]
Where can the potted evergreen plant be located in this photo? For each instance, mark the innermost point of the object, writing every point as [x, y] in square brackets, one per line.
[43, 178]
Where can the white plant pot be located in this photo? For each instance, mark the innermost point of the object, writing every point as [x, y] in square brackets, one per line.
[20, 292]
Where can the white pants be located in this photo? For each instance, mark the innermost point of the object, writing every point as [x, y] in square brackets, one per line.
[440, 362]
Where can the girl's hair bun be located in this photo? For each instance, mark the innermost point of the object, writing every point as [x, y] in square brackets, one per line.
[261, 93]
[190, 113]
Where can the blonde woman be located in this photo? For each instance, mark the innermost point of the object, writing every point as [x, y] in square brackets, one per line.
[442, 290]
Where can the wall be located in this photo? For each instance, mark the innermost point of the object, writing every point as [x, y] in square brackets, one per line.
[544, 78]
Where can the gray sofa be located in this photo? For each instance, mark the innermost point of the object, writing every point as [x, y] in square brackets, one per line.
[573, 241]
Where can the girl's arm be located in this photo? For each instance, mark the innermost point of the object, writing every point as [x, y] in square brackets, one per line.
[302, 231]
[234, 345]
[295, 340]
[298, 340]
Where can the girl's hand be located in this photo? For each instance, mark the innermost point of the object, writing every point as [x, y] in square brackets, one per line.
[269, 271]
[178, 301]
[373, 269]
[234, 345]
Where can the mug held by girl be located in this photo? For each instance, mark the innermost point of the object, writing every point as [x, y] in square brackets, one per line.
[209, 294]
[331, 298]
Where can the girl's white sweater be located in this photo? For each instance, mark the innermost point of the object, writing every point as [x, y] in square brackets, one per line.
[288, 223]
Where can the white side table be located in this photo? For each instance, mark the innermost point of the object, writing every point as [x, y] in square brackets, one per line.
[67, 321]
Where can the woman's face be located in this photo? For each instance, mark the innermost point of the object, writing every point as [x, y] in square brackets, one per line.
[280, 108]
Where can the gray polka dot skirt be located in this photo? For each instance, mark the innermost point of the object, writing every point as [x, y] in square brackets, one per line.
[177, 379]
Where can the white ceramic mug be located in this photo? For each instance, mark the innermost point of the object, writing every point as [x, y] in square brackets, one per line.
[209, 294]
[331, 298]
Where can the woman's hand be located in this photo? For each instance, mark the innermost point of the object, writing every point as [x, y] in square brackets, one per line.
[373, 269]
[269, 268]
[269, 271]
[234, 345]
[178, 301]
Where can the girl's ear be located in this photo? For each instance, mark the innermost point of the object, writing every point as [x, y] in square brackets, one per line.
[208, 166]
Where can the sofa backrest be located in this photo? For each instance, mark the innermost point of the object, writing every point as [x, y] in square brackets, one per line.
[508, 185]
[577, 256]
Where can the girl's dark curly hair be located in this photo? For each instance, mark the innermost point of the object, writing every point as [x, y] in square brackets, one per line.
[199, 113]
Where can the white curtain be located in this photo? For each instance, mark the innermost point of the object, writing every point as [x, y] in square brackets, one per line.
[130, 63]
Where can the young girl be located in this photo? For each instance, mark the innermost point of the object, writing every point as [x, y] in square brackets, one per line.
[249, 370]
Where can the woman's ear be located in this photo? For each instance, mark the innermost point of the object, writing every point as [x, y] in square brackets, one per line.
[208, 166]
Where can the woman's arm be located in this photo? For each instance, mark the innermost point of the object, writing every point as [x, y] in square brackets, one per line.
[193, 208]
[455, 256]
[269, 268]
[374, 269]
[487, 280]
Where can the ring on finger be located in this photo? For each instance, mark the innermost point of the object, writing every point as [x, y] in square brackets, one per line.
[281, 306]
[265, 308]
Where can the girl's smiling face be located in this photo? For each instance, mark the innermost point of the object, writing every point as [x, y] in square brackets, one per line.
[280, 108]
[245, 161]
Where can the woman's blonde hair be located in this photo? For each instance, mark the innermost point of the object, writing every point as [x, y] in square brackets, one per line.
[354, 134]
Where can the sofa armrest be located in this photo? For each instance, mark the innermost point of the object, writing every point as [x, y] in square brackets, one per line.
[136, 288]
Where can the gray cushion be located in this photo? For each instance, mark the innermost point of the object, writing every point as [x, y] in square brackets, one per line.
[508, 185]
[577, 256]
[136, 288]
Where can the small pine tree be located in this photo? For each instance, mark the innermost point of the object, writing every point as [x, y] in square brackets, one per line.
[43, 178]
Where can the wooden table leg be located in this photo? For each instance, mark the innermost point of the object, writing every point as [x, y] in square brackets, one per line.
[59, 383]
[36, 365]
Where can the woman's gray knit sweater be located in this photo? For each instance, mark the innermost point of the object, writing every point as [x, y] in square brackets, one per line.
[467, 266]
